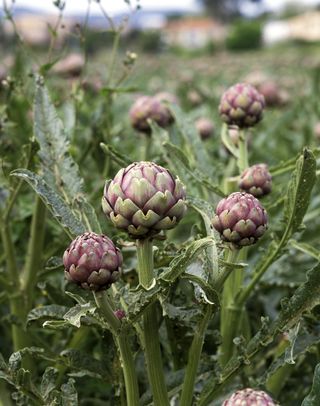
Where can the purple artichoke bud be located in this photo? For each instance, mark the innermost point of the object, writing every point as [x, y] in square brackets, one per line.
[256, 180]
[205, 128]
[166, 97]
[120, 314]
[240, 219]
[146, 107]
[241, 105]
[144, 199]
[92, 261]
[249, 397]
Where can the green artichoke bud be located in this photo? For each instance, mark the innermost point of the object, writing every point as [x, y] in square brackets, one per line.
[241, 105]
[249, 397]
[146, 107]
[92, 261]
[240, 219]
[256, 180]
[205, 128]
[144, 199]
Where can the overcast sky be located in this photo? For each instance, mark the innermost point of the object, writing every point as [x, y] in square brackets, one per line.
[111, 6]
[115, 6]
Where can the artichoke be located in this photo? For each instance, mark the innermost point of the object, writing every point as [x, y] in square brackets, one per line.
[240, 219]
[256, 180]
[205, 128]
[164, 98]
[241, 105]
[249, 397]
[144, 199]
[146, 107]
[92, 261]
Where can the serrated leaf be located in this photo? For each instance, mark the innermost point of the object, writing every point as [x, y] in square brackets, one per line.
[189, 132]
[53, 201]
[82, 364]
[306, 248]
[303, 342]
[176, 153]
[207, 213]
[16, 358]
[73, 316]
[140, 299]
[3, 364]
[305, 298]
[313, 399]
[87, 214]
[179, 264]
[207, 294]
[299, 191]
[69, 395]
[60, 170]
[48, 381]
[53, 311]
[56, 324]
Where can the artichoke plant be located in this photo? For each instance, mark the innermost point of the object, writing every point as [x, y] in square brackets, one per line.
[146, 107]
[249, 397]
[144, 199]
[256, 180]
[241, 105]
[92, 261]
[240, 219]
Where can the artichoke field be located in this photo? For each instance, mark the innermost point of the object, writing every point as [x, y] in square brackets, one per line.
[156, 250]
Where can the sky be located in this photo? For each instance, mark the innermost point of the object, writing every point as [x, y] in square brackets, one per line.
[116, 6]
[111, 6]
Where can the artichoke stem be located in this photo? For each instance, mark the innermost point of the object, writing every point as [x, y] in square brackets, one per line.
[150, 327]
[194, 358]
[34, 253]
[121, 339]
[230, 312]
[243, 162]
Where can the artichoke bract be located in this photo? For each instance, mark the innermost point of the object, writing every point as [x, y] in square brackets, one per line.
[256, 180]
[249, 397]
[144, 199]
[240, 219]
[92, 261]
[241, 105]
[146, 107]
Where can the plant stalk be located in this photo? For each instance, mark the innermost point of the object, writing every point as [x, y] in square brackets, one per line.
[126, 357]
[230, 312]
[194, 359]
[34, 252]
[243, 162]
[150, 327]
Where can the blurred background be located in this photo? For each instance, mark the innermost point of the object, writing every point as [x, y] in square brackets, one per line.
[194, 49]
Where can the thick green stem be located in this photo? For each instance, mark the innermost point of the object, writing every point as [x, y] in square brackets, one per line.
[16, 304]
[194, 359]
[230, 312]
[243, 152]
[277, 380]
[150, 327]
[34, 253]
[126, 357]
[146, 153]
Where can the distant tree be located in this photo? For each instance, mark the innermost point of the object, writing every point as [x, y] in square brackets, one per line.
[225, 9]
